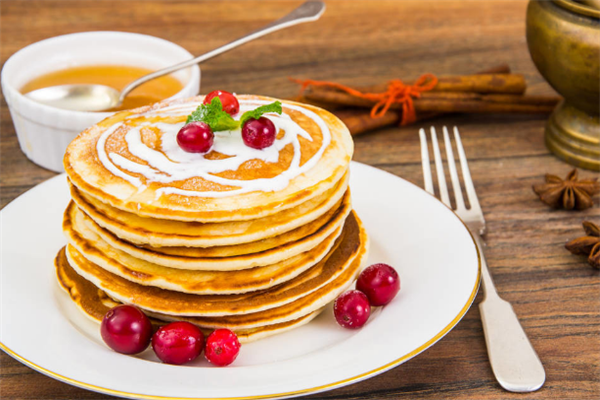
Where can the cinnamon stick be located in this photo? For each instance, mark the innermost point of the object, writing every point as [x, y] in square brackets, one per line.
[498, 69]
[477, 83]
[480, 106]
[448, 102]
[484, 83]
[498, 81]
[359, 121]
[493, 98]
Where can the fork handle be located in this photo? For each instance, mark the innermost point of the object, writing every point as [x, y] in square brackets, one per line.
[514, 361]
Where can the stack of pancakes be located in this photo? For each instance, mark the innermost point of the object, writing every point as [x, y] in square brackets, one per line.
[256, 241]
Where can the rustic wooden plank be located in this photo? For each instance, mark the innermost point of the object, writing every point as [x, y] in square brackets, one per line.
[361, 43]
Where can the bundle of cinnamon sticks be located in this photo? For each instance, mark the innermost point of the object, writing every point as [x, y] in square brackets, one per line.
[495, 90]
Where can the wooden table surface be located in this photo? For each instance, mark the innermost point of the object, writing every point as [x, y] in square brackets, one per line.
[555, 293]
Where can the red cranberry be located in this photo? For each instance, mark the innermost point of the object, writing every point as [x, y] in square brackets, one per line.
[229, 101]
[258, 133]
[195, 137]
[351, 309]
[178, 342]
[222, 347]
[380, 283]
[126, 329]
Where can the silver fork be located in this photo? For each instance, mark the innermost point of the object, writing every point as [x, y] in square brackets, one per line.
[514, 361]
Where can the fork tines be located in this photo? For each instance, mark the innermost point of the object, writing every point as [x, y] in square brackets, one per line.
[474, 210]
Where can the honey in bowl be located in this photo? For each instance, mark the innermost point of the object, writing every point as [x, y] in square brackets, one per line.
[114, 76]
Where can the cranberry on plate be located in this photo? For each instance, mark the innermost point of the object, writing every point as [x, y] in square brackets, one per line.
[352, 309]
[222, 347]
[195, 137]
[259, 133]
[178, 342]
[380, 283]
[126, 329]
[229, 102]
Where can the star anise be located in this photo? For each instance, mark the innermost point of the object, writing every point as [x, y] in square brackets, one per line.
[588, 245]
[569, 193]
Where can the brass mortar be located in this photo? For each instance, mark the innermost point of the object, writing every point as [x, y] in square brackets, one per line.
[564, 42]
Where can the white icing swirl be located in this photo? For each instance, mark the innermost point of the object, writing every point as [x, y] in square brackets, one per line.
[174, 164]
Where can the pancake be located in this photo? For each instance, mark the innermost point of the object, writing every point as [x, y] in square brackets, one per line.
[267, 253]
[254, 240]
[95, 304]
[131, 161]
[160, 233]
[288, 312]
[84, 242]
[353, 244]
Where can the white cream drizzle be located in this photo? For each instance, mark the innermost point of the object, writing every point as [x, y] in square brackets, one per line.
[174, 164]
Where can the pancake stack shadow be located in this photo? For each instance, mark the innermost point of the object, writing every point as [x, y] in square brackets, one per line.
[256, 276]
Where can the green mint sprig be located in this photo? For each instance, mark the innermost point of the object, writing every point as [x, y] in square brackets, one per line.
[213, 115]
[258, 112]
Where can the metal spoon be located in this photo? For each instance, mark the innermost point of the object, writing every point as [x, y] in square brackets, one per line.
[85, 97]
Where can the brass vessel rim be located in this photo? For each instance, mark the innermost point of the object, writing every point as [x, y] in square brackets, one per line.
[577, 8]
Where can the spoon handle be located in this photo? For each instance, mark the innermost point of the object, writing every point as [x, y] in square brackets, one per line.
[309, 11]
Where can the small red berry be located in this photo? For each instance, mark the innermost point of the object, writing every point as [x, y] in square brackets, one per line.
[230, 103]
[352, 309]
[126, 329]
[222, 347]
[259, 133]
[380, 283]
[195, 137]
[178, 342]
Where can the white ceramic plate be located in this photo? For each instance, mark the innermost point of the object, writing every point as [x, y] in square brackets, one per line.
[427, 244]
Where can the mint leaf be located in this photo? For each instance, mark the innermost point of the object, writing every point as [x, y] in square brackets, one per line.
[213, 115]
[257, 113]
[219, 120]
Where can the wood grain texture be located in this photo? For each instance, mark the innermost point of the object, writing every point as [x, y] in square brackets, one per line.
[555, 294]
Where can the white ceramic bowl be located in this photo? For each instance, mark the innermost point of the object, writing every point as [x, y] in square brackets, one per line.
[44, 131]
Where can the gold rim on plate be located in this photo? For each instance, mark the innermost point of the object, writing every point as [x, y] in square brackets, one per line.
[307, 391]
[315, 389]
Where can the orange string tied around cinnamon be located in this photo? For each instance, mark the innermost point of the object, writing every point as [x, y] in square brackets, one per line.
[397, 93]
